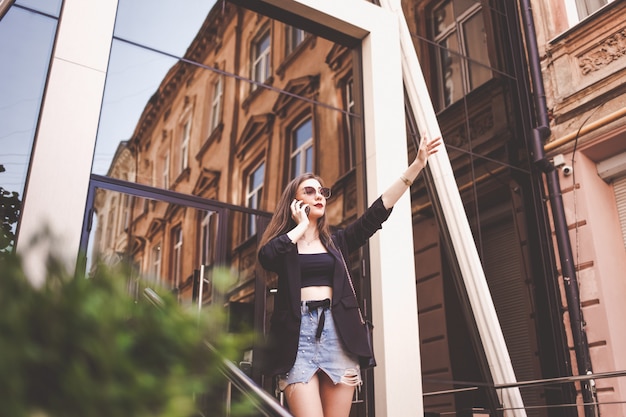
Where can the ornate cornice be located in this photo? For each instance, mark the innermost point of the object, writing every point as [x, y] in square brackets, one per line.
[607, 51]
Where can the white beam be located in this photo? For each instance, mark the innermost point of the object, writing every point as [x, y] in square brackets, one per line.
[457, 224]
[394, 300]
[61, 160]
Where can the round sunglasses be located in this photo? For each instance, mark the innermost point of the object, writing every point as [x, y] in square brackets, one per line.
[324, 191]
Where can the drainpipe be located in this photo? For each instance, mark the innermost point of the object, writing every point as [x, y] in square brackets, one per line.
[570, 281]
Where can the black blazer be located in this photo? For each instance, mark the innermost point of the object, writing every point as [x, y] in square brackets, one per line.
[280, 255]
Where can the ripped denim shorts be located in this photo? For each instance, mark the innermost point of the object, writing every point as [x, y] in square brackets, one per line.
[325, 353]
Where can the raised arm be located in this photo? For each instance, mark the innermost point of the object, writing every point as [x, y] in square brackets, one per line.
[392, 194]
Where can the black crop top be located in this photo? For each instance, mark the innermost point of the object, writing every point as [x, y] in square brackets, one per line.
[316, 269]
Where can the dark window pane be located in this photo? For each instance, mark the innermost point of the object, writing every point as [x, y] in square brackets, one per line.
[443, 18]
[477, 50]
[451, 76]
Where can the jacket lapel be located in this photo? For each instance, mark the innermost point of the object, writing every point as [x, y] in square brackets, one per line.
[338, 275]
[295, 281]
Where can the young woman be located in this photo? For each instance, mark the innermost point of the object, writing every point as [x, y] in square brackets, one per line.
[316, 337]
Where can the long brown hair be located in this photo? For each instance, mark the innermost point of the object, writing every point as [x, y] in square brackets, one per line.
[282, 222]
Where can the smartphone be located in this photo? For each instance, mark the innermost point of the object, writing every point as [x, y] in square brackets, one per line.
[307, 209]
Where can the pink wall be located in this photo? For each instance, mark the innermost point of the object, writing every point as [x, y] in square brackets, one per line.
[600, 256]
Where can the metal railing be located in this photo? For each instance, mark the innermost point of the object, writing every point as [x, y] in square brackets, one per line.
[261, 399]
[473, 388]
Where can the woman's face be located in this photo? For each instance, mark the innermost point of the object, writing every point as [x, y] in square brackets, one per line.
[311, 192]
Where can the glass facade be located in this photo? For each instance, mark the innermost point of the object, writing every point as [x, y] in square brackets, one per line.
[27, 34]
[471, 55]
[210, 109]
[199, 133]
[235, 106]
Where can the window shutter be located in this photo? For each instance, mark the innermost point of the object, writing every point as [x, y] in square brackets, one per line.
[503, 266]
[619, 186]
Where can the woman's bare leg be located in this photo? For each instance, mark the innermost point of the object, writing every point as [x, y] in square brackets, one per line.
[336, 399]
[304, 398]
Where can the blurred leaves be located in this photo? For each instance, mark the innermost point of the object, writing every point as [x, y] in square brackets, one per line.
[10, 207]
[81, 346]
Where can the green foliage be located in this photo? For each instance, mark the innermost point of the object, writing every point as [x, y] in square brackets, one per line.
[79, 346]
[10, 207]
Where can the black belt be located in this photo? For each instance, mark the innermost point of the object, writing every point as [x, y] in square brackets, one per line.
[313, 305]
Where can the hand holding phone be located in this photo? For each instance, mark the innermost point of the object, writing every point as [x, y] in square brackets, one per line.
[296, 208]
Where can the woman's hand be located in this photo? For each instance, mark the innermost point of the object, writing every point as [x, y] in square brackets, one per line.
[426, 148]
[300, 215]
[300, 212]
[404, 181]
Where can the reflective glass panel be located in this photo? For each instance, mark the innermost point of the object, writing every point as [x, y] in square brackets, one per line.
[451, 77]
[477, 50]
[168, 245]
[212, 94]
[466, 52]
[164, 25]
[26, 40]
[217, 102]
[51, 7]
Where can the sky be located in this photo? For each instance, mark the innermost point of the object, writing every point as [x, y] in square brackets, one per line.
[134, 73]
[25, 46]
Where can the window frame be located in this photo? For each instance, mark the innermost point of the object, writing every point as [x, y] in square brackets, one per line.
[350, 106]
[110, 225]
[185, 139]
[205, 235]
[217, 96]
[301, 152]
[166, 169]
[176, 268]
[294, 37]
[125, 212]
[260, 58]
[156, 261]
[255, 194]
[574, 13]
[455, 30]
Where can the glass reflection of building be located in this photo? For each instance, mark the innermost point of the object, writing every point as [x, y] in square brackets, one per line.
[249, 102]
[465, 48]
[226, 133]
[30, 26]
[252, 105]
